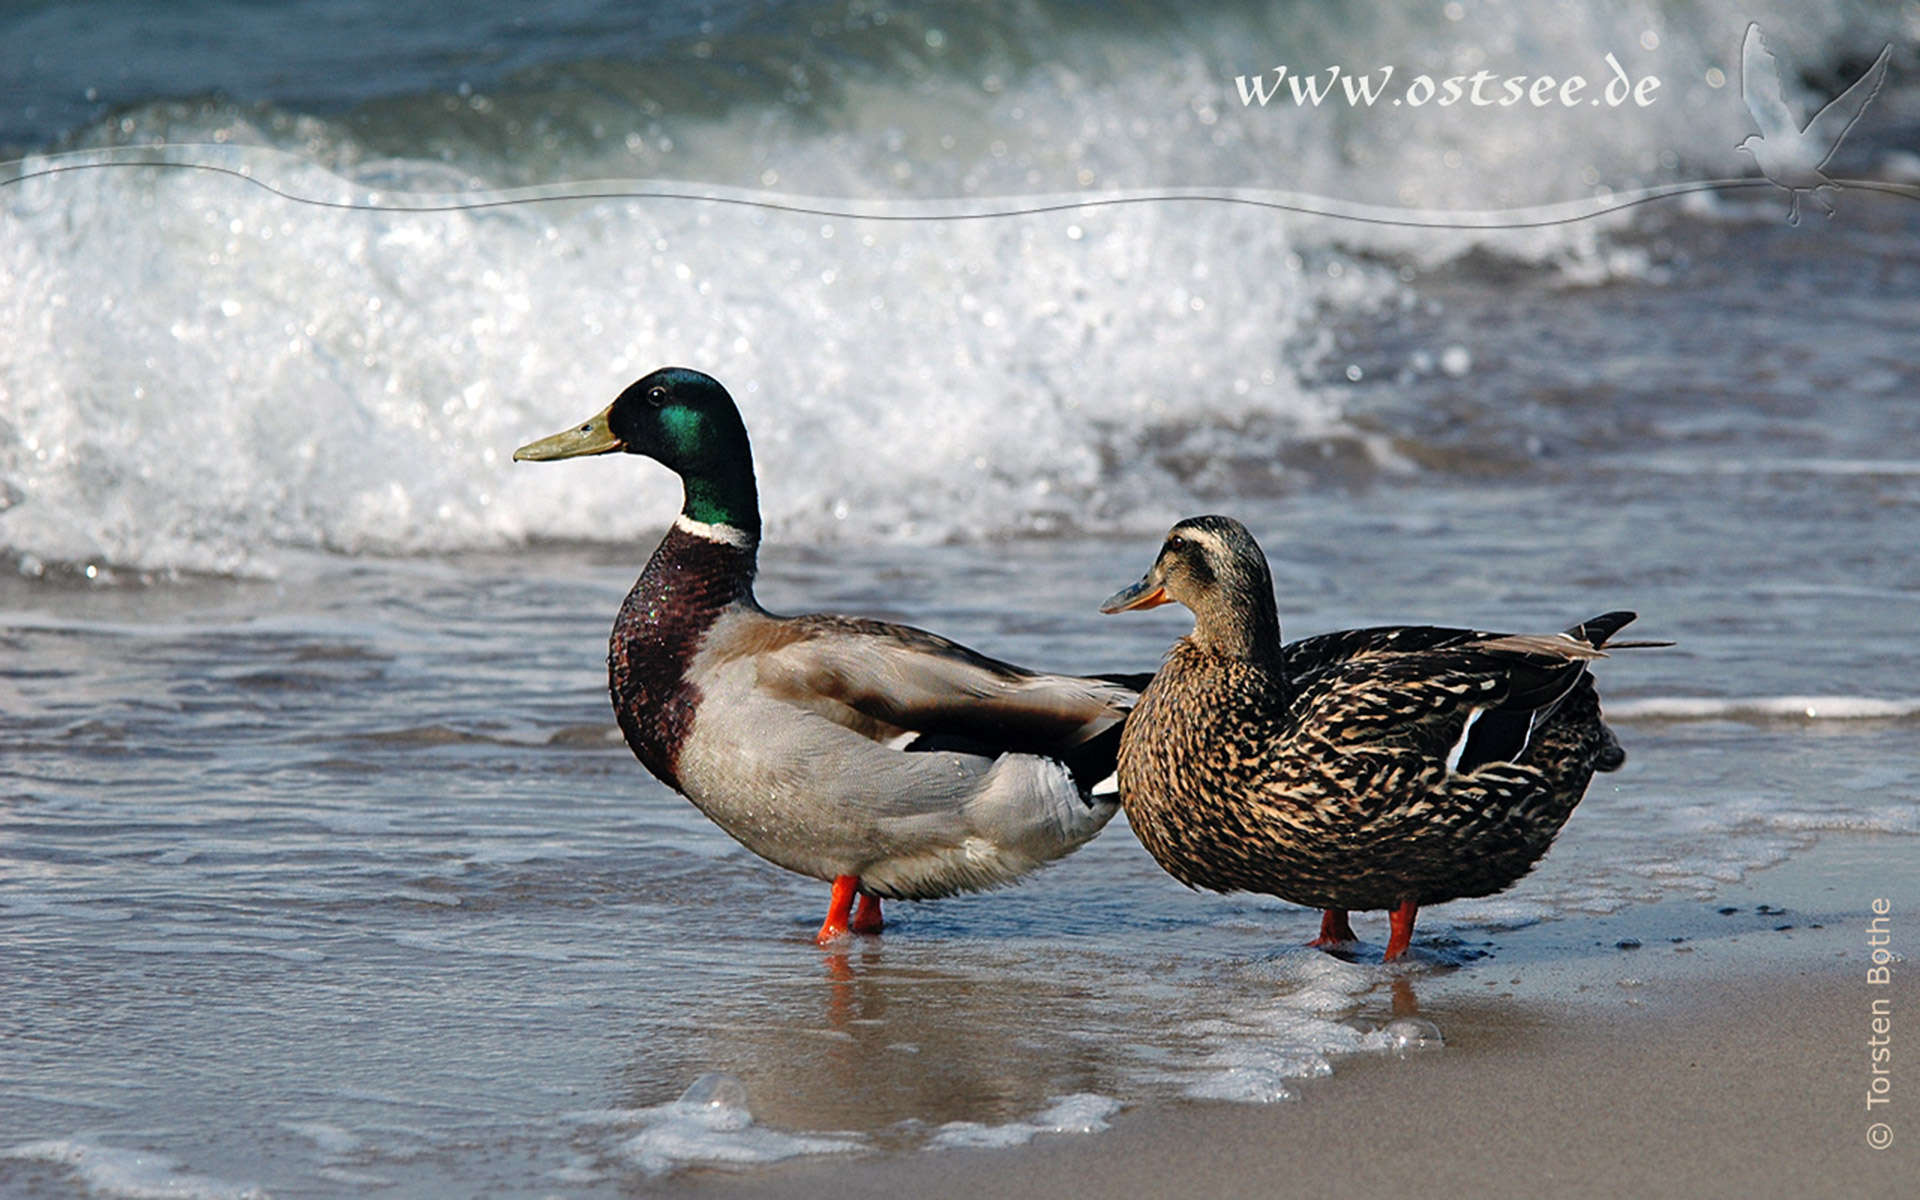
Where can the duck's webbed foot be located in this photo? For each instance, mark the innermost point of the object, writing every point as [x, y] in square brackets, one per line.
[839, 910]
[1335, 930]
[1401, 935]
[842, 918]
[866, 918]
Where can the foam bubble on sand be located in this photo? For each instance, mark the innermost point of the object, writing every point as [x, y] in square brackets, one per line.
[1082, 1112]
[132, 1174]
[1411, 1033]
[1257, 1059]
[710, 1124]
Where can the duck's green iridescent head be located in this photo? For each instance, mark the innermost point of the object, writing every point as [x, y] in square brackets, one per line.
[685, 420]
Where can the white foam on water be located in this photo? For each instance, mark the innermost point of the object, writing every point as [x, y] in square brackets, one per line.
[328, 1138]
[282, 377]
[1734, 817]
[1617, 852]
[710, 1125]
[129, 1174]
[1082, 1112]
[1256, 1051]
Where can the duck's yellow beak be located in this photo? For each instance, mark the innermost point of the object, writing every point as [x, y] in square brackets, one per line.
[594, 437]
[1148, 593]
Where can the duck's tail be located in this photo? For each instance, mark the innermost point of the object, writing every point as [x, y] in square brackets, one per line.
[1598, 632]
[1094, 760]
[1539, 693]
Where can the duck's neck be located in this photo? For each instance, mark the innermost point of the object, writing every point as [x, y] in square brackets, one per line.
[722, 501]
[710, 556]
[1245, 628]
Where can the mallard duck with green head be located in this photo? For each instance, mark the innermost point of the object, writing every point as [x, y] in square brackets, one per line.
[1388, 768]
[888, 760]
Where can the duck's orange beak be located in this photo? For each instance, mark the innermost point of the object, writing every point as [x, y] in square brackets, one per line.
[1148, 593]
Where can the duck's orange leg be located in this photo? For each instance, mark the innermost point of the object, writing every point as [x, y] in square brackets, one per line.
[1334, 929]
[1401, 935]
[867, 918]
[839, 910]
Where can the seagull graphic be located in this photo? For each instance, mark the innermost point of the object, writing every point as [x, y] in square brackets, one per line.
[1788, 155]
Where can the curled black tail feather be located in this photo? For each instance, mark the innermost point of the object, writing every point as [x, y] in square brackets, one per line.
[1596, 631]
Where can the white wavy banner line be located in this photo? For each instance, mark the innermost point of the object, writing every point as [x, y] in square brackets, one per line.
[306, 182]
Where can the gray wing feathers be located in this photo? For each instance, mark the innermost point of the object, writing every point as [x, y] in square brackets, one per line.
[815, 797]
[906, 686]
[795, 752]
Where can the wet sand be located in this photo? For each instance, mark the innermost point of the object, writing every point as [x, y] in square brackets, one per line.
[1728, 1054]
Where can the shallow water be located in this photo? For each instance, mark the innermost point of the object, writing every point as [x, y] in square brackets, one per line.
[322, 868]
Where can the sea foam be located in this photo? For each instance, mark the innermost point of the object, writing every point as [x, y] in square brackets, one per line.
[710, 1124]
[122, 1174]
[1083, 1112]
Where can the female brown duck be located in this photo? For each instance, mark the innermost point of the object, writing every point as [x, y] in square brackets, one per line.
[1377, 768]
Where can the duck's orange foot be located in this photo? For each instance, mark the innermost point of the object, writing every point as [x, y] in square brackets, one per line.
[1334, 930]
[842, 920]
[1401, 935]
[867, 918]
[839, 910]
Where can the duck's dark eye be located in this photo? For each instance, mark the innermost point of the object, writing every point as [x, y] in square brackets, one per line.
[656, 396]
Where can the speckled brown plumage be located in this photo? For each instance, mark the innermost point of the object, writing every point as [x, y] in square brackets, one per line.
[1319, 772]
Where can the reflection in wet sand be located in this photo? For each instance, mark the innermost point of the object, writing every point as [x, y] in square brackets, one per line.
[893, 1039]
[879, 1041]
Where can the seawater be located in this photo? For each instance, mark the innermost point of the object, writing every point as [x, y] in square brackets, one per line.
[322, 868]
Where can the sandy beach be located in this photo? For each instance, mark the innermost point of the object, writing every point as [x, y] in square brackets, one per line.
[1727, 1055]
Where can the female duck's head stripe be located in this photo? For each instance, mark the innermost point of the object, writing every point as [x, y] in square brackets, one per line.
[728, 535]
